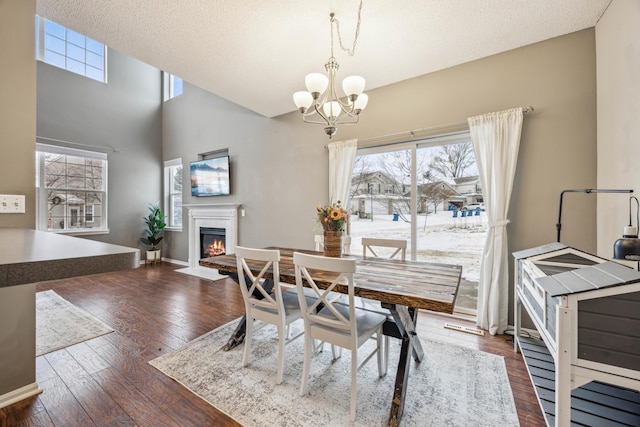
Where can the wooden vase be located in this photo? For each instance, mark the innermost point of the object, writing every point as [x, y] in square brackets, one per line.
[332, 244]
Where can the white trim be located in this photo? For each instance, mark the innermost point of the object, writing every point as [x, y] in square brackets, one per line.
[57, 149]
[224, 215]
[173, 162]
[19, 394]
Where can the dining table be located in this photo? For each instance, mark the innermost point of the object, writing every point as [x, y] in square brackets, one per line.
[401, 287]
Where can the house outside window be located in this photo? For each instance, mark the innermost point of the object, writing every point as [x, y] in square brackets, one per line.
[173, 193]
[61, 47]
[71, 188]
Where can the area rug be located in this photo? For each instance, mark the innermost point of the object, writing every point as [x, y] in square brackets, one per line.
[453, 386]
[60, 324]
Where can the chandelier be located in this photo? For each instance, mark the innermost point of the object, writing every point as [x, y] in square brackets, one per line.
[320, 103]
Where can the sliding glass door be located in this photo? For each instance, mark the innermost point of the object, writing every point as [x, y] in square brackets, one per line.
[428, 193]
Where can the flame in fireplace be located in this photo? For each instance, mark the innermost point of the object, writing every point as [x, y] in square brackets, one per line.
[216, 248]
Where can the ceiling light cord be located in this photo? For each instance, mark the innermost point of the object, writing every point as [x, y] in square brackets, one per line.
[351, 51]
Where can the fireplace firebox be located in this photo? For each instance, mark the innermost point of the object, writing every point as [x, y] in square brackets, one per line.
[212, 241]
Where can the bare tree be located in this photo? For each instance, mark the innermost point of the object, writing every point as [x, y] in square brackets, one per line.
[453, 160]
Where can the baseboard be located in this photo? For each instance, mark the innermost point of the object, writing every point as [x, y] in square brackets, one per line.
[172, 261]
[19, 394]
[176, 261]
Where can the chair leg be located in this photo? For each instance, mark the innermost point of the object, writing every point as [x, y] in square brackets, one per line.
[383, 353]
[247, 340]
[354, 373]
[336, 353]
[281, 338]
[308, 352]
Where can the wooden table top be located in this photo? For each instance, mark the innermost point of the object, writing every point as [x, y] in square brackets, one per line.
[424, 285]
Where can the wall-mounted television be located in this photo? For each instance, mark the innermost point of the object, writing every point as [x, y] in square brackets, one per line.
[210, 177]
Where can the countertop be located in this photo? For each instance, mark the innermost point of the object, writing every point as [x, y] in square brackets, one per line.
[29, 256]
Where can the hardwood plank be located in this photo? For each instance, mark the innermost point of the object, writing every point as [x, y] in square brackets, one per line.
[154, 308]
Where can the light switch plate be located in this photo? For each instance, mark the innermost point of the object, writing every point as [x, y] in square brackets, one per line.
[10, 203]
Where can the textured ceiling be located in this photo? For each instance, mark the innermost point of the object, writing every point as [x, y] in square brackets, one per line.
[256, 52]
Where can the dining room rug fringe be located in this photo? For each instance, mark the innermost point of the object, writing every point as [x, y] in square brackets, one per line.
[60, 324]
[453, 386]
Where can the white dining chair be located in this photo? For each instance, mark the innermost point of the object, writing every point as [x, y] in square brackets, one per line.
[346, 243]
[331, 320]
[269, 305]
[369, 243]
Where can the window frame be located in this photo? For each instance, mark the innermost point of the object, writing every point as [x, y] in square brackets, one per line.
[170, 87]
[42, 202]
[413, 146]
[41, 48]
[170, 194]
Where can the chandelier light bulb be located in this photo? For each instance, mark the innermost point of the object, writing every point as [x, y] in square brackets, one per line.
[353, 85]
[316, 82]
[302, 99]
[332, 109]
[361, 102]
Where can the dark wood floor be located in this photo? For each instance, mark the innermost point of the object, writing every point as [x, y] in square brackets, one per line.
[107, 380]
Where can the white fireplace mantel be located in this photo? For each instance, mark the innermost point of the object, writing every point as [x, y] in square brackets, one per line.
[223, 215]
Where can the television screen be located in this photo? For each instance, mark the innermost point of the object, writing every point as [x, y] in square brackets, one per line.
[210, 177]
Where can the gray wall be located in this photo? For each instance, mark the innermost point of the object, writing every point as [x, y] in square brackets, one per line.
[124, 114]
[278, 173]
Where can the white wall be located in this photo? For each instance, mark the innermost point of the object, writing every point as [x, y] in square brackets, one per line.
[618, 112]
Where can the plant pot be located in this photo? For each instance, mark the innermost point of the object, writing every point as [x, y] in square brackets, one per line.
[332, 244]
[153, 256]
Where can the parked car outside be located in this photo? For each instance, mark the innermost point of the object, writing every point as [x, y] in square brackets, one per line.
[473, 206]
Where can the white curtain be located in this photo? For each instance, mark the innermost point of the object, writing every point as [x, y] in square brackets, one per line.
[342, 154]
[496, 140]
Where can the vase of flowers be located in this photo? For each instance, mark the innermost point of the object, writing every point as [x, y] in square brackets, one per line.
[333, 219]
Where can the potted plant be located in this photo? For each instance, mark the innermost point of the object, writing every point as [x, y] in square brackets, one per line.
[155, 224]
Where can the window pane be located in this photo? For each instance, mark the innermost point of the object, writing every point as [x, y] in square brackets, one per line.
[94, 60]
[95, 47]
[177, 86]
[176, 210]
[75, 66]
[75, 38]
[54, 29]
[177, 179]
[94, 73]
[75, 52]
[54, 44]
[53, 58]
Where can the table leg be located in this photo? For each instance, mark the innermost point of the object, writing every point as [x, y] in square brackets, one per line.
[405, 319]
[237, 337]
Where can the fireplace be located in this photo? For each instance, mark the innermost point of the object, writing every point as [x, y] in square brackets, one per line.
[222, 217]
[212, 241]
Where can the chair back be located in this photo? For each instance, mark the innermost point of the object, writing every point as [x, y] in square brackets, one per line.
[369, 243]
[259, 291]
[340, 271]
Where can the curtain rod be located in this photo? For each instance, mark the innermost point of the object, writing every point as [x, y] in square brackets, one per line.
[525, 111]
[98, 147]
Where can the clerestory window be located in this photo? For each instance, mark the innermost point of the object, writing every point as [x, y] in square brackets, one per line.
[67, 49]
